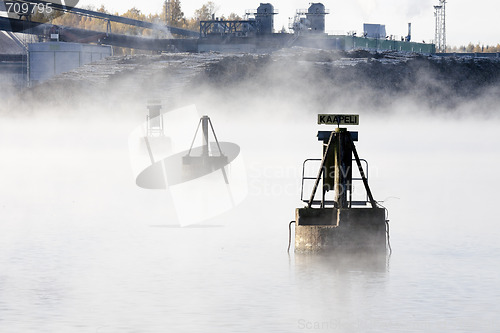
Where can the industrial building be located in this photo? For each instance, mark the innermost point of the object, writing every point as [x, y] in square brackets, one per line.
[52, 58]
[256, 33]
[75, 47]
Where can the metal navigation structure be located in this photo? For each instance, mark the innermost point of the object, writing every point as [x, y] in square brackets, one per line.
[339, 223]
[204, 159]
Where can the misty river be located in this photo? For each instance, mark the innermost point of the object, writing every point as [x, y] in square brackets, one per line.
[84, 249]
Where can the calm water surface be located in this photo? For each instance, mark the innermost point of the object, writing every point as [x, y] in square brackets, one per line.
[82, 249]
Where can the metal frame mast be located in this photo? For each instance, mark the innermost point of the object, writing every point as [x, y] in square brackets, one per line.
[440, 34]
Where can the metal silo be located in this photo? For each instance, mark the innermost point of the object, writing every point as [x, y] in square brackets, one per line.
[265, 18]
[316, 17]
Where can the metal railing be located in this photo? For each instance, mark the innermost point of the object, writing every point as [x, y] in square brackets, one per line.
[324, 202]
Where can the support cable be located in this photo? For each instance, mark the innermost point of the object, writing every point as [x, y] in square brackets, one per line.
[289, 236]
[388, 237]
[387, 230]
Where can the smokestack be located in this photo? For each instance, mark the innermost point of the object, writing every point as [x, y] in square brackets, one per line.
[408, 38]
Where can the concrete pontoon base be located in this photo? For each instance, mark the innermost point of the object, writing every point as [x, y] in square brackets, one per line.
[332, 229]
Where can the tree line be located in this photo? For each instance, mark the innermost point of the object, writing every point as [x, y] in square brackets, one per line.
[471, 48]
[172, 16]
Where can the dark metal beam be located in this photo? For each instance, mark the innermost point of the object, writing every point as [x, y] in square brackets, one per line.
[321, 170]
[85, 36]
[119, 19]
[362, 173]
[226, 27]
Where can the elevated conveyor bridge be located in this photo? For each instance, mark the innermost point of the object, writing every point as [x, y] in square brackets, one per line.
[119, 19]
[16, 23]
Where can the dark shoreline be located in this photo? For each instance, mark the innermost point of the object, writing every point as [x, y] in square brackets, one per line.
[314, 78]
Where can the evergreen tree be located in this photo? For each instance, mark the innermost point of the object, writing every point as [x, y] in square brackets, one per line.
[173, 14]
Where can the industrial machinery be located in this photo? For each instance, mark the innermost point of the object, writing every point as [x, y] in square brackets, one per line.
[257, 22]
[255, 33]
[376, 31]
[408, 37]
[440, 28]
[311, 20]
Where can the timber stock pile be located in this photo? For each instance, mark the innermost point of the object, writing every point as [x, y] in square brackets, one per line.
[345, 79]
[373, 79]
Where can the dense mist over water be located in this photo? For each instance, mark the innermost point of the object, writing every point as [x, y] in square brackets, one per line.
[84, 249]
[359, 79]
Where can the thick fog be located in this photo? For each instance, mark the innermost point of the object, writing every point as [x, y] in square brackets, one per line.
[86, 249]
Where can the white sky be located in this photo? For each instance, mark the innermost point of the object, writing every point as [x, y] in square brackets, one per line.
[467, 21]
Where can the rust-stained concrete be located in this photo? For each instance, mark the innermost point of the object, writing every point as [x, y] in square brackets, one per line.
[331, 229]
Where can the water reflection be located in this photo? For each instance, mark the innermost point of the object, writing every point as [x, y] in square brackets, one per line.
[342, 262]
